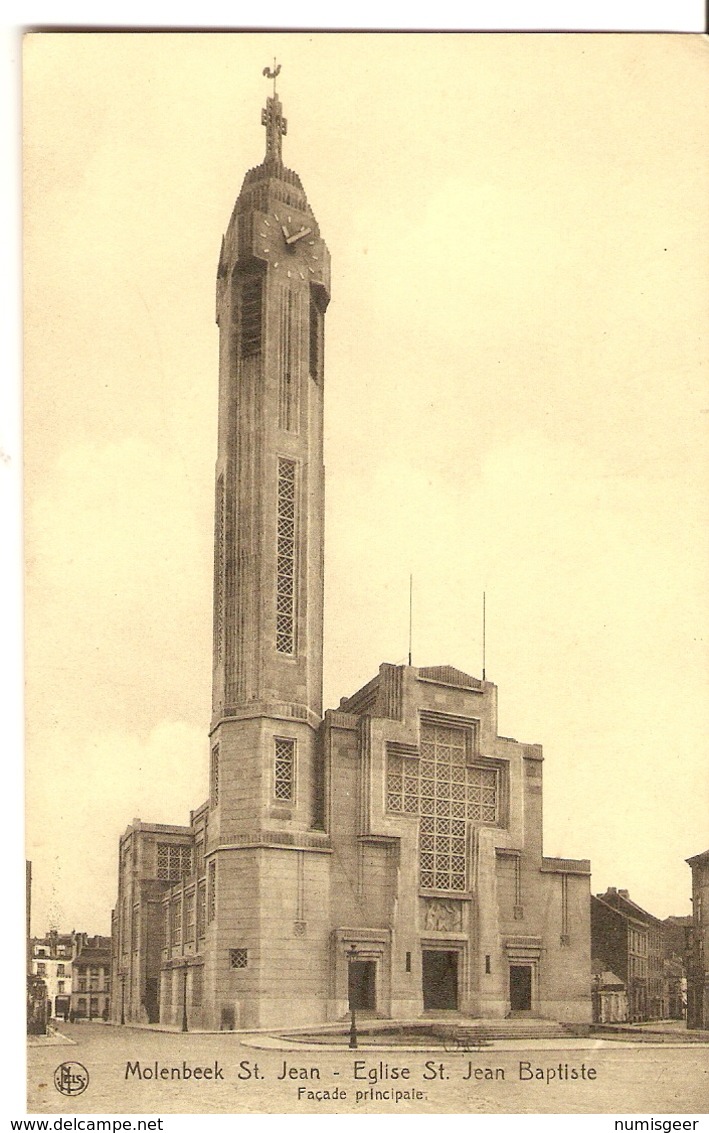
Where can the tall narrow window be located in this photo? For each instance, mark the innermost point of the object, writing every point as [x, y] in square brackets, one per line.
[316, 331]
[251, 318]
[189, 918]
[176, 921]
[219, 597]
[201, 908]
[289, 364]
[212, 895]
[284, 770]
[285, 555]
[214, 777]
[565, 938]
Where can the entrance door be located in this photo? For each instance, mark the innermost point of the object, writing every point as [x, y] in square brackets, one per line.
[521, 987]
[362, 985]
[440, 980]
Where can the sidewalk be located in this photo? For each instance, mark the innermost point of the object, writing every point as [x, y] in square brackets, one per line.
[656, 1030]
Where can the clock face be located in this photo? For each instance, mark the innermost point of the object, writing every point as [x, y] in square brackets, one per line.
[290, 243]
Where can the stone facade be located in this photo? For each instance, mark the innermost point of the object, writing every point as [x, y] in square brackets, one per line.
[388, 854]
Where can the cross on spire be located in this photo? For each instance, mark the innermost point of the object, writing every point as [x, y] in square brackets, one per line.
[272, 118]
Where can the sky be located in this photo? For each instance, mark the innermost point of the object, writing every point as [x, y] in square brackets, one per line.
[516, 403]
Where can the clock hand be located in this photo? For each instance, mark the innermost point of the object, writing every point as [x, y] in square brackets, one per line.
[298, 235]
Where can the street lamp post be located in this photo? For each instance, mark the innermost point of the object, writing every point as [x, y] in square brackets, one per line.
[184, 1000]
[351, 957]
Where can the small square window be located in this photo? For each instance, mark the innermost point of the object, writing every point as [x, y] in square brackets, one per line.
[238, 957]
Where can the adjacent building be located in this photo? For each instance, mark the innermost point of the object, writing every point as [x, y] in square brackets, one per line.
[51, 961]
[677, 931]
[629, 942]
[386, 854]
[698, 954]
[91, 977]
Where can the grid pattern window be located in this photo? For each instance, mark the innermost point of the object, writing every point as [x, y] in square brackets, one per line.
[212, 895]
[284, 770]
[214, 777]
[41, 969]
[238, 957]
[60, 970]
[285, 557]
[201, 908]
[199, 857]
[251, 318]
[403, 783]
[447, 794]
[166, 927]
[133, 929]
[174, 861]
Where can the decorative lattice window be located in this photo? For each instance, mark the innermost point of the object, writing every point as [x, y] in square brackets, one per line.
[199, 857]
[124, 926]
[238, 957]
[133, 931]
[174, 861]
[251, 318]
[201, 908]
[212, 895]
[284, 770]
[446, 793]
[285, 557]
[166, 927]
[214, 777]
[403, 783]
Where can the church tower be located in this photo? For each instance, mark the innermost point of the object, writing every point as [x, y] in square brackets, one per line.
[266, 780]
[273, 285]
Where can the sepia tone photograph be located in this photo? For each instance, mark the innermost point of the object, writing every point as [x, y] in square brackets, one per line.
[366, 573]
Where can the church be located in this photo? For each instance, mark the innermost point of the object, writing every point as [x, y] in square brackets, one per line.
[385, 854]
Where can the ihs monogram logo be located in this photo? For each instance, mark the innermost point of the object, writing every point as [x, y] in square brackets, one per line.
[71, 1078]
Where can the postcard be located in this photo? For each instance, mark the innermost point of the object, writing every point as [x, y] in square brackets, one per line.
[366, 565]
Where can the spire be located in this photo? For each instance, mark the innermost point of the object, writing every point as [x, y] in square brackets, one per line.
[272, 118]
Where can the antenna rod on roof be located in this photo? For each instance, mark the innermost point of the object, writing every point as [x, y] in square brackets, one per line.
[483, 635]
[411, 613]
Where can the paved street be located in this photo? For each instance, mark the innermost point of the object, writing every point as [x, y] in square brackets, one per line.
[583, 1076]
